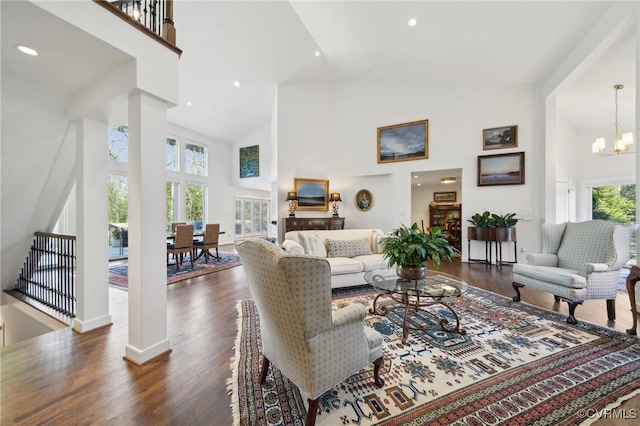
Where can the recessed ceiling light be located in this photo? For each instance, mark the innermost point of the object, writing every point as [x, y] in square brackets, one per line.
[412, 22]
[27, 50]
[236, 83]
[317, 53]
[188, 103]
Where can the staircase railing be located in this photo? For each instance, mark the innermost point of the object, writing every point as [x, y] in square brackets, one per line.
[49, 273]
[153, 17]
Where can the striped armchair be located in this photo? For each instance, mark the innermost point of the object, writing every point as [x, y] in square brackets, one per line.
[315, 347]
[579, 261]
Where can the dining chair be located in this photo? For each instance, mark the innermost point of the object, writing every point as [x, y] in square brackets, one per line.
[182, 244]
[210, 240]
[174, 225]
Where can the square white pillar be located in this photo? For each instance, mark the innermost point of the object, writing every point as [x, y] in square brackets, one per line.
[147, 236]
[92, 241]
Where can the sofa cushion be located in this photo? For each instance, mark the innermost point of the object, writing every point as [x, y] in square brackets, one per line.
[565, 277]
[348, 248]
[372, 261]
[312, 244]
[292, 247]
[344, 265]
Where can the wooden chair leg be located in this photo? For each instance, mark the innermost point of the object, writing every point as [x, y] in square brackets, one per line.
[265, 369]
[376, 372]
[313, 412]
[611, 309]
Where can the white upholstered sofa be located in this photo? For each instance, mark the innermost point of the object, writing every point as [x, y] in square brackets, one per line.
[350, 252]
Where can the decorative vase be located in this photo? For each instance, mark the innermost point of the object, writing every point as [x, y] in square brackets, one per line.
[411, 272]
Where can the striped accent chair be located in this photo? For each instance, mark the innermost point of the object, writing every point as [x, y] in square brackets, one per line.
[579, 261]
[315, 347]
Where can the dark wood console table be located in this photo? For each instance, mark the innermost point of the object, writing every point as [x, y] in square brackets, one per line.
[312, 223]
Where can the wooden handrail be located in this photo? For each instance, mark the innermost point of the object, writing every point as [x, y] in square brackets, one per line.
[167, 36]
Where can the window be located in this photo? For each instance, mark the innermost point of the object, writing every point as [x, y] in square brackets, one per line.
[195, 202]
[172, 153]
[119, 144]
[195, 160]
[118, 215]
[252, 216]
[616, 203]
[173, 201]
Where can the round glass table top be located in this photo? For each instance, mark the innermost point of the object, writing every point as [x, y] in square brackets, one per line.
[435, 284]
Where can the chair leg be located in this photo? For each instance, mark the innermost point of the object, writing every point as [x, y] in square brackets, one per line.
[265, 369]
[556, 298]
[611, 309]
[313, 412]
[376, 372]
[191, 256]
[571, 319]
[516, 287]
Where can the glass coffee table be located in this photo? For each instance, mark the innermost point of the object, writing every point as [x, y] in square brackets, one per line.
[415, 295]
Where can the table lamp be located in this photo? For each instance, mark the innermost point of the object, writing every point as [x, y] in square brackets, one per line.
[335, 197]
[292, 197]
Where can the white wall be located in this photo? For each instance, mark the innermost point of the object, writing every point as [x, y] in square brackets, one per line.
[329, 132]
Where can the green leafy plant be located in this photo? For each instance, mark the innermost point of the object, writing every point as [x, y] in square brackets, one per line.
[410, 247]
[481, 220]
[493, 220]
[503, 221]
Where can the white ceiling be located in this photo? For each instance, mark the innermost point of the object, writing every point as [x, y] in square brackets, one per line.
[265, 43]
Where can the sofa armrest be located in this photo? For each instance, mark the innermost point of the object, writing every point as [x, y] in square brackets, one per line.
[542, 259]
[596, 267]
[348, 314]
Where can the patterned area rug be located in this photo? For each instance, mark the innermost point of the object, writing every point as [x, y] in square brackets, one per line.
[517, 364]
[118, 275]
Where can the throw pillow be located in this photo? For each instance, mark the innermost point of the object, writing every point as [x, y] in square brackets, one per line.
[292, 247]
[377, 240]
[312, 244]
[348, 248]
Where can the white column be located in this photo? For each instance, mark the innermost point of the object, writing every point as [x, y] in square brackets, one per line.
[147, 237]
[92, 241]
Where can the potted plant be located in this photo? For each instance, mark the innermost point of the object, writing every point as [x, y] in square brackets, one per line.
[504, 225]
[408, 248]
[481, 229]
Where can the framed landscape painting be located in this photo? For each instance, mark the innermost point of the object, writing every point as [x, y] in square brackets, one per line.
[250, 161]
[313, 194]
[500, 137]
[402, 142]
[501, 169]
[445, 197]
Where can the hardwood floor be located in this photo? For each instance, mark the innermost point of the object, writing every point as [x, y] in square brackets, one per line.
[66, 378]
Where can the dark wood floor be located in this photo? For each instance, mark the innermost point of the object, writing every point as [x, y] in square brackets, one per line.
[65, 378]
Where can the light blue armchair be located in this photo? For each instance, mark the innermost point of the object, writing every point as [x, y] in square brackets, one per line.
[579, 261]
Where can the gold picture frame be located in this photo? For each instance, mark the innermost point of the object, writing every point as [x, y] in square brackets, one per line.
[313, 194]
[364, 200]
[403, 142]
[445, 197]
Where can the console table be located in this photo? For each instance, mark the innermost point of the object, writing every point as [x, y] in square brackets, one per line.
[312, 223]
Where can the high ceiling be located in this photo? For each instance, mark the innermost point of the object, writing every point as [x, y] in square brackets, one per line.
[265, 43]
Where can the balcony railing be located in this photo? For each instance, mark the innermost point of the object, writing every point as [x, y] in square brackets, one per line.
[49, 273]
[153, 17]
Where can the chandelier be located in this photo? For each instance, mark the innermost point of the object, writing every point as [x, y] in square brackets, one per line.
[622, 143]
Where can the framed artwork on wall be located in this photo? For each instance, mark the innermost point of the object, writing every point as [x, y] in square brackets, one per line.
[500, 137]
[402, 142]
[501, 169]
[313, 194]
[445, 197]
[250, 161]
[364, 200]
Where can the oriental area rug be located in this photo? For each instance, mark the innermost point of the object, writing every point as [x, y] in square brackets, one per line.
[517, 364]
[118, 275]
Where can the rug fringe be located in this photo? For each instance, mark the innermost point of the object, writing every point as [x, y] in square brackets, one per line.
[232, 382]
